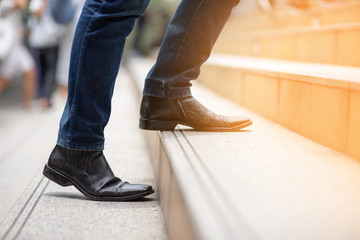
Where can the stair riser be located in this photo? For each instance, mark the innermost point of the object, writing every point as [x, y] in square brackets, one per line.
[319, 109]
[338, 14]
[175, 212]
[330, 47]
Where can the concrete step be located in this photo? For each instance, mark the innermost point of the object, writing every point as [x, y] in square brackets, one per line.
[40, 209]
[245, 18]
[318, 101]
[26, 139]
[328, 36]
[330, 44]
[264, 182]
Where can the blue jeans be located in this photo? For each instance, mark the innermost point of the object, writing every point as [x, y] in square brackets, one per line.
[97, 50]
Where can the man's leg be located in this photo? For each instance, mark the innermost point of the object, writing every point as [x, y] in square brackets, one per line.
[187, 44]
[48, 63]
[19, 61]
[95, 59]
[96, 53]
[4, 83]
[28, 86]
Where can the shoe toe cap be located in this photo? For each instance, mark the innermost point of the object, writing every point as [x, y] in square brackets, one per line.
[135, 188]
[235, 120]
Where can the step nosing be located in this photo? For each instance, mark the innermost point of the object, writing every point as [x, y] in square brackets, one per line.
[230, 206]
[32, 209]
[336, 73]
[275, 177]
[237, 227]
[16, 219]
[293, 31]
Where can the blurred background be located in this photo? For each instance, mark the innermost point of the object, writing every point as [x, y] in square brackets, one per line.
[294, 62]
[35, 48]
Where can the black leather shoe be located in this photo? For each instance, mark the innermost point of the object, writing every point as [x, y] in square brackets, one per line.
[90, 173]
[165, 113]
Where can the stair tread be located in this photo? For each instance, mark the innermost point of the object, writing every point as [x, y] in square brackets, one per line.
[323, 71]
[271, 178]
[286, 31]
[287, 16]
[264, 182]
[46, 210]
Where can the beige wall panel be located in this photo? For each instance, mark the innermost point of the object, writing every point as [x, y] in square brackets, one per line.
[290, 21]
[212, 76]
[316, 47]
[353, 147]
[295, 106]
[329, 111]
[349, 14]
[261, 94]
[242, 47]
[228, 85]
[279, 47]
[179, 225]
[164, 184]
[155, 146]
[304, 3]
[348, 48]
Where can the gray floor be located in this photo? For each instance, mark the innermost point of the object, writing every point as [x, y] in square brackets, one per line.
[263, 182]
[32, 207]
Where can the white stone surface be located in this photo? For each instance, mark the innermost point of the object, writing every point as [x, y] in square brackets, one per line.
[26, 139]
[283, 185]
[327, 71]
[268, 181]
[55, 212]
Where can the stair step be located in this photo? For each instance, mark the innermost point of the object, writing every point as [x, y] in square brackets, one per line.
[46, 210]
[244, 18]
[264, 182]
[328, 34]
[330, 44]
[318, 101]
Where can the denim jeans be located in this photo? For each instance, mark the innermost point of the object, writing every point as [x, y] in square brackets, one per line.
[97, 50]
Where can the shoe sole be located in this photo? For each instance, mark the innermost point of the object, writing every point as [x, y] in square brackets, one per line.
[65, 181]
[149, 124]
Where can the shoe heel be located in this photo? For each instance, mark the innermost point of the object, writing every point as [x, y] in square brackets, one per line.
[148, 124]
[56, 177]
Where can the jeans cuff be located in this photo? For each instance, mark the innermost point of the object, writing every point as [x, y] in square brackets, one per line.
[167, 93]
[80, 146]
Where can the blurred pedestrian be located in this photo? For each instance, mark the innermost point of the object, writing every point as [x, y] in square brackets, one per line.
[44, 40]
[62, 68]
[14, 58]
[78, 159]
